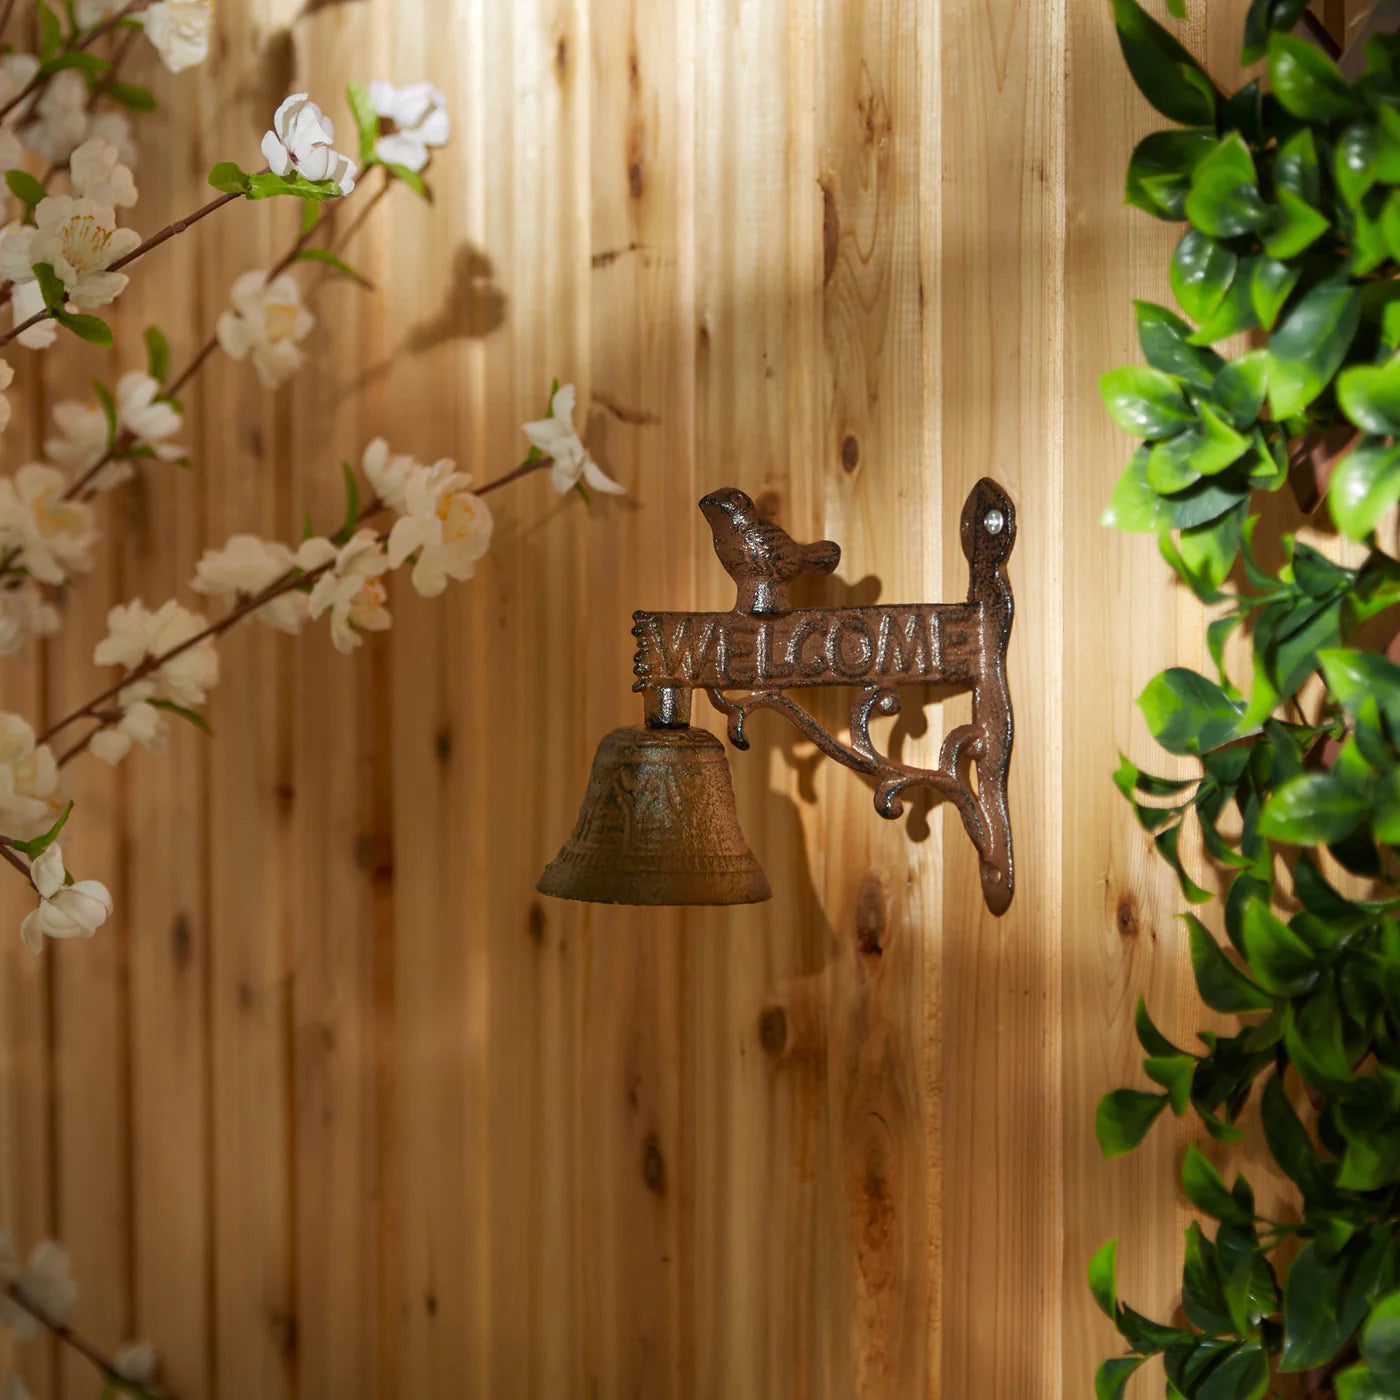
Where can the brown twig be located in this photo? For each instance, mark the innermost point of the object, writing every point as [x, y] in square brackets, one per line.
[179, 226]
[286, 583]
[81, 1345]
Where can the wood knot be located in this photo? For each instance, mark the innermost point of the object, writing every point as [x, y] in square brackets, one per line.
[534, 921]
[286, 798]
[831, 229]
[850, 452]
[561, 56]
[769, 505]
[430, 1303]
[636, 177]
[871, 916]
[443, 744]
[1126, 918]
[654, 1167]
[773, 1029]
[374, 854]
[181, 940]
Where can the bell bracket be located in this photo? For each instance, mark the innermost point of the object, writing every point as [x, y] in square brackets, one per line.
[763, 648]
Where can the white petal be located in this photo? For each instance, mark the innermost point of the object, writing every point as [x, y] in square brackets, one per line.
[47, 872]
[32, 934]
[275, 154]
[593, 474]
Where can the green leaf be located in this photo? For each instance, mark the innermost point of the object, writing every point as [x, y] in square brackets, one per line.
[189, 716]
[1112, 1377]
[1236, 312]
[1296, 168]
[1223, 987]
[25, 188]
[1288, 1140]
[1202, 271]
[1201, 1295]
[265, 185]
[1270, 285]
[1322, 1307]
[1380, 1341]
[157, 354]
[1314, 809]
[50, 32]
[1354, 161]
[1174, 1073]
[1144, 401]
[1168, 76]
[1123, 1118]
[1209, 551]
[324, 255]
[1306, 82]
[1241, 385]
[1165, 340]
[1187, 713]
[352, 506]
[1365, 484]
[1357, 1383]
[310, 215]
[93, 329]
[1299, 227]
[1370, 396]
[109, 409]
[83, 59]
[366, 121]
[1313, 1036]
[1159, 172]
[1278, 959]
[1309, 347]
[130, 95]
[36, 847]
[411, 178]
[1220, 447]
[1242, 1375]
[1207, 1191]
[1103, 1279]
[1170, 468]
[230, 178]
[1149, 1037]
[1224, 201]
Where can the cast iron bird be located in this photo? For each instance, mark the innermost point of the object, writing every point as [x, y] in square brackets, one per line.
[760, 556]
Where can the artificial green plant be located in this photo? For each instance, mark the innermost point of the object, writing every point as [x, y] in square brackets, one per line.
[1288, 191]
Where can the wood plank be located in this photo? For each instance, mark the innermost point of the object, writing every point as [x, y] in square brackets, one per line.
[1003, 326]
[253, 799]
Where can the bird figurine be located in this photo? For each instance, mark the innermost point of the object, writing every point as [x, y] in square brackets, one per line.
[760, 556]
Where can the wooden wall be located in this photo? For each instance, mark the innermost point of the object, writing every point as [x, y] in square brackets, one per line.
[338, 1107]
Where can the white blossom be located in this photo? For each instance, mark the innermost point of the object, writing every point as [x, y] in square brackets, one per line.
[16, 72]
[15, 1388]
[137, 1361]
[303, 139]
[555, 437]
[351, 589]
[444, 525]
[180, 31]
[388, 475]
[97, 172]
[27, 300]
[80, 239]
[82, 436]
[7, 376]
[46, 1280]
[90, 13]
[141, 723]
[243, 568]
[53, 537]
[149, 419]
[266, 324]
[29, 782]
[115, 128]
[60, 117]
[25, 612]
[419, 115]
[65, 911]
[134, 634]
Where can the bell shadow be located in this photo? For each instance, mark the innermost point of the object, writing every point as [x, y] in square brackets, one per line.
[475, 305]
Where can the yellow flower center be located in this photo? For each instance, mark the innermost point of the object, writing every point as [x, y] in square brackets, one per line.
[367, 601]
[457, 511]
[84, 243]
[280, 321]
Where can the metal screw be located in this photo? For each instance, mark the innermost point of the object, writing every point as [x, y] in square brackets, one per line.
[995, 522]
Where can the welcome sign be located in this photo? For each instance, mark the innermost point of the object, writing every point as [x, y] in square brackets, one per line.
[913, 644]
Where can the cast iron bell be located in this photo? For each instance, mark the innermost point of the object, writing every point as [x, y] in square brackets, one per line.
[658, 825]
